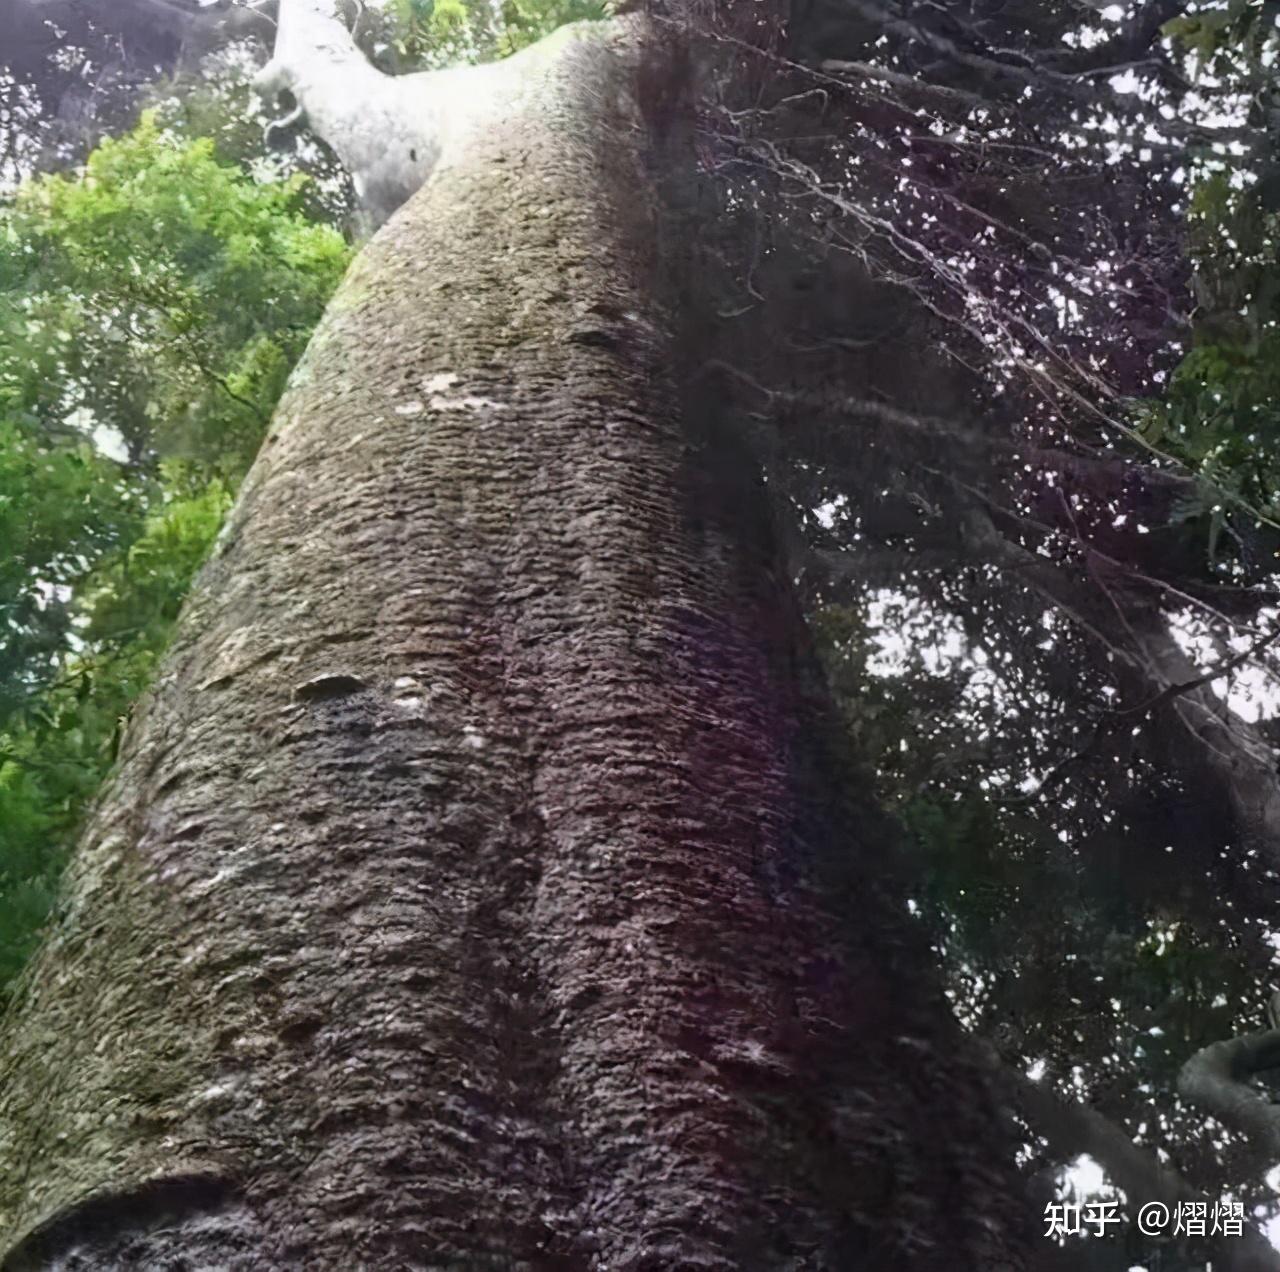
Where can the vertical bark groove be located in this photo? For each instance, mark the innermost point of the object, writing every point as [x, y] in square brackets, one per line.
[457, 903]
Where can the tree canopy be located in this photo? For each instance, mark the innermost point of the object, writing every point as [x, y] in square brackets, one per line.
[151, 309]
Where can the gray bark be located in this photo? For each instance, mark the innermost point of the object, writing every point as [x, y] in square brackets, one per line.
[389, 131]
[463, 898]
[1217, 1079]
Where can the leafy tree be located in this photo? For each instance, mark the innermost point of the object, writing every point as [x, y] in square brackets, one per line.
[447, 32]
[152, 304]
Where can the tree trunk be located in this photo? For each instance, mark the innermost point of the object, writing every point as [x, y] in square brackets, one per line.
[463, 898]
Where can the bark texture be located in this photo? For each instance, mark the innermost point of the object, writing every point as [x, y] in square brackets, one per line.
[462, 896]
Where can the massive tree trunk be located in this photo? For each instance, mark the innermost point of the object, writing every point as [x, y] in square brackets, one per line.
[466, 896]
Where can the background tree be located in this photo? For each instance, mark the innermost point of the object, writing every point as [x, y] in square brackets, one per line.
[151, 311]
[1073, 503]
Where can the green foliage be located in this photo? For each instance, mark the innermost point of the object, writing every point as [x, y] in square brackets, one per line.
[524, 22]
[1220, 414]
[443, 32]
[150, 311]
[1222, 33]
[163, 292]
[60, 506]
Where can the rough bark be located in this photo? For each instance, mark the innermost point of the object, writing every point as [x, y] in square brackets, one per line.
[463, 895]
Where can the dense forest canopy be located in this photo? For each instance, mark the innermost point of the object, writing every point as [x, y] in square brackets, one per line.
[991, 288]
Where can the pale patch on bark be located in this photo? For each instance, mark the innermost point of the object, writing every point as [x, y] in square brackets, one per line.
[390, 132]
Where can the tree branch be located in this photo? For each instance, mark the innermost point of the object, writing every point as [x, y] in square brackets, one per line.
[1130, 42]
[992, 71]
[1213, 740]
[1217, 1079]
[904, 83]
[1073, 1128]
[1006, 78]
[388, 131]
